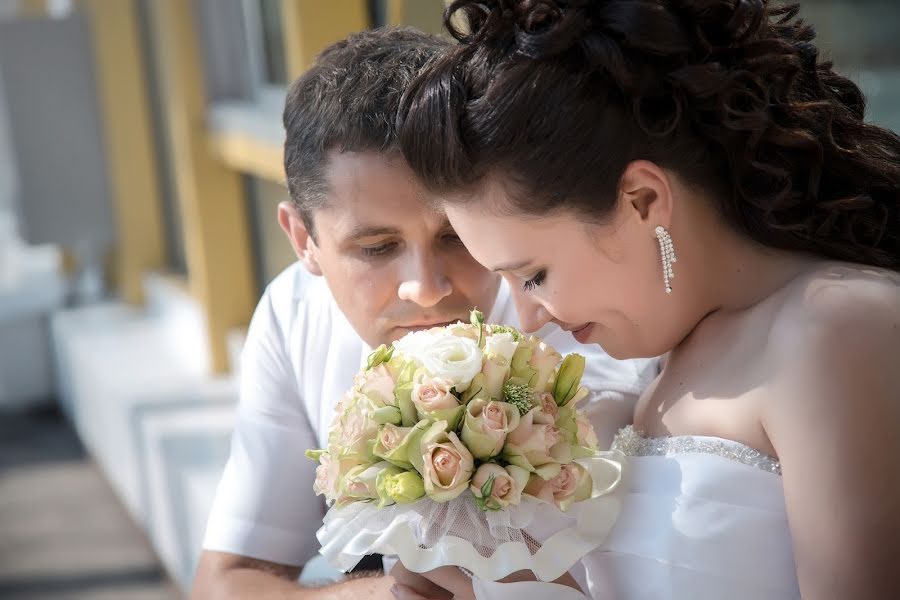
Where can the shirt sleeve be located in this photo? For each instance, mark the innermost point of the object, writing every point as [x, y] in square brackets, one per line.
[264, 507]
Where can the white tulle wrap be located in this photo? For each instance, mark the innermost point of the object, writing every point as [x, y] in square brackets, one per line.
[533, 535]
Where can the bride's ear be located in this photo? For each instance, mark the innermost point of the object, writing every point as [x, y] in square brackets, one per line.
[301, 239]
[645, 190]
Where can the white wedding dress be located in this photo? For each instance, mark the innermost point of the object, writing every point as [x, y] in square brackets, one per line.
[702, 519]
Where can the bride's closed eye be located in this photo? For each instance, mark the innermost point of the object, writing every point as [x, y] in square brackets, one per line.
[535, 281]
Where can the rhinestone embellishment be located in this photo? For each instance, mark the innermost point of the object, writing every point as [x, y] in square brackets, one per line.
[631, 443]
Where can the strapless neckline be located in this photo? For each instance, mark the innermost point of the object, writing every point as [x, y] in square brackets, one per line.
[631, 442]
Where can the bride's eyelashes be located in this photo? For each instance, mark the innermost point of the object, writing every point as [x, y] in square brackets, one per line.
[535, 281]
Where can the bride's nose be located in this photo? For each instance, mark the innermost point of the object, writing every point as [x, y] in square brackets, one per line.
[532, 314]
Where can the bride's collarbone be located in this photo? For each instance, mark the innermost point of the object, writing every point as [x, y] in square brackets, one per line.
[709, 389]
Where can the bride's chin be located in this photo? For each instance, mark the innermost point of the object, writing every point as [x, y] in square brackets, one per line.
[615, 346]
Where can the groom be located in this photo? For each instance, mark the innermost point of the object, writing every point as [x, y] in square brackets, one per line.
[376, 262]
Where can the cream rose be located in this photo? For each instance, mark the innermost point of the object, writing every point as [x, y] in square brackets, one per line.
[501, 344]
[457, 360]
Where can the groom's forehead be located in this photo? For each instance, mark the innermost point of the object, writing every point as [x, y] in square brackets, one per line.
[370, 194]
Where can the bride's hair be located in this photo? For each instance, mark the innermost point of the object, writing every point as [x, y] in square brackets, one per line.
[557, 97]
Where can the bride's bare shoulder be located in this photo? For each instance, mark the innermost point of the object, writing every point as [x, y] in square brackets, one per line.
[838, 328]
[832, 297]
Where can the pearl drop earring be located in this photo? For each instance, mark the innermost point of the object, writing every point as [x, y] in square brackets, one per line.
[667, 252]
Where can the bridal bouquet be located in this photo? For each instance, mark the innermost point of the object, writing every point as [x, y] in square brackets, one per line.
[462, 445]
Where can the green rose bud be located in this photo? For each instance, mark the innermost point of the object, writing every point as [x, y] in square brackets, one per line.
[400, 487]
[568, 379]
[520, 371]
[475, 390]
[314, 454]
[387, 414]
[381, 354]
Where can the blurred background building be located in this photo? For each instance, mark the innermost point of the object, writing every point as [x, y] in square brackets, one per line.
[140, 168]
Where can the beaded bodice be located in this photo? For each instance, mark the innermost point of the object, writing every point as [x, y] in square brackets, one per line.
[631, 443]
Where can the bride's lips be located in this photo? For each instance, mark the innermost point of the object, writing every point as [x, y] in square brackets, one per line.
[582, 333]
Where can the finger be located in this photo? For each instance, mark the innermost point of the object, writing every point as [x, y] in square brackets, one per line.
[454, 580]
[419, 583]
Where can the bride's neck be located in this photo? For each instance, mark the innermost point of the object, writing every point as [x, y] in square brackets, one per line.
[732, 273]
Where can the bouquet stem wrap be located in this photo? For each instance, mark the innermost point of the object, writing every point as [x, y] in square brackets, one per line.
[533, 535]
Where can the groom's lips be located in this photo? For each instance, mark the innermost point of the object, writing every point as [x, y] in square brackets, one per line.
[426, 325]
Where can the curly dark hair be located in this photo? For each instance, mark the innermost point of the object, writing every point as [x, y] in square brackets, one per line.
[348, 100]
[558, 96]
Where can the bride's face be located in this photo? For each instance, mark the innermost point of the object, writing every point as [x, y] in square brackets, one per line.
[602, 282]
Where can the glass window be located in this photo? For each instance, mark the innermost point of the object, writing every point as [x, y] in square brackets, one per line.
[273, 42]
[265, 43]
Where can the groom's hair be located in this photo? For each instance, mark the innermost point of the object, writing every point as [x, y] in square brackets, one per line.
[348, 101]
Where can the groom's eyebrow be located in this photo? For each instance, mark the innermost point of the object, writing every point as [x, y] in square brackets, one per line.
[513, 266]
[367, 231]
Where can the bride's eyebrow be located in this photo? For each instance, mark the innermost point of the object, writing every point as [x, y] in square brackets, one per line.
[513, 266]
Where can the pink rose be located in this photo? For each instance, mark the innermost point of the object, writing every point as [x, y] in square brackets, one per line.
[391, 436]
[544, 360]
[432, 394]
[378, 385]
[447, 464]
[562, 490]
[533, 436]
[506, 488]
[327, 478]
[548, 409]
[537, 447]
[585, 435]
[487, 425]
[329, 474]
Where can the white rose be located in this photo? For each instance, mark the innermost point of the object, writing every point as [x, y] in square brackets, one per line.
[501, 344]
[413, 344]
[454, 359]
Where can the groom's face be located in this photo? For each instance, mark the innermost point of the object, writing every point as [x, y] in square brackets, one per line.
[392, 261]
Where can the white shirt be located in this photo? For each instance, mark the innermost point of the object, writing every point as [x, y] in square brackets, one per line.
[299, 359]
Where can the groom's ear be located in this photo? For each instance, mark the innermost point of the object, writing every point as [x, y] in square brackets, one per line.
[646, 190]
[301, 239]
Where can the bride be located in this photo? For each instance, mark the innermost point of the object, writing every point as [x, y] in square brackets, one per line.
[688, 177]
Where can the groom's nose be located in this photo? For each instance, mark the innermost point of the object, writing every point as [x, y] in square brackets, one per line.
[423, 280]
